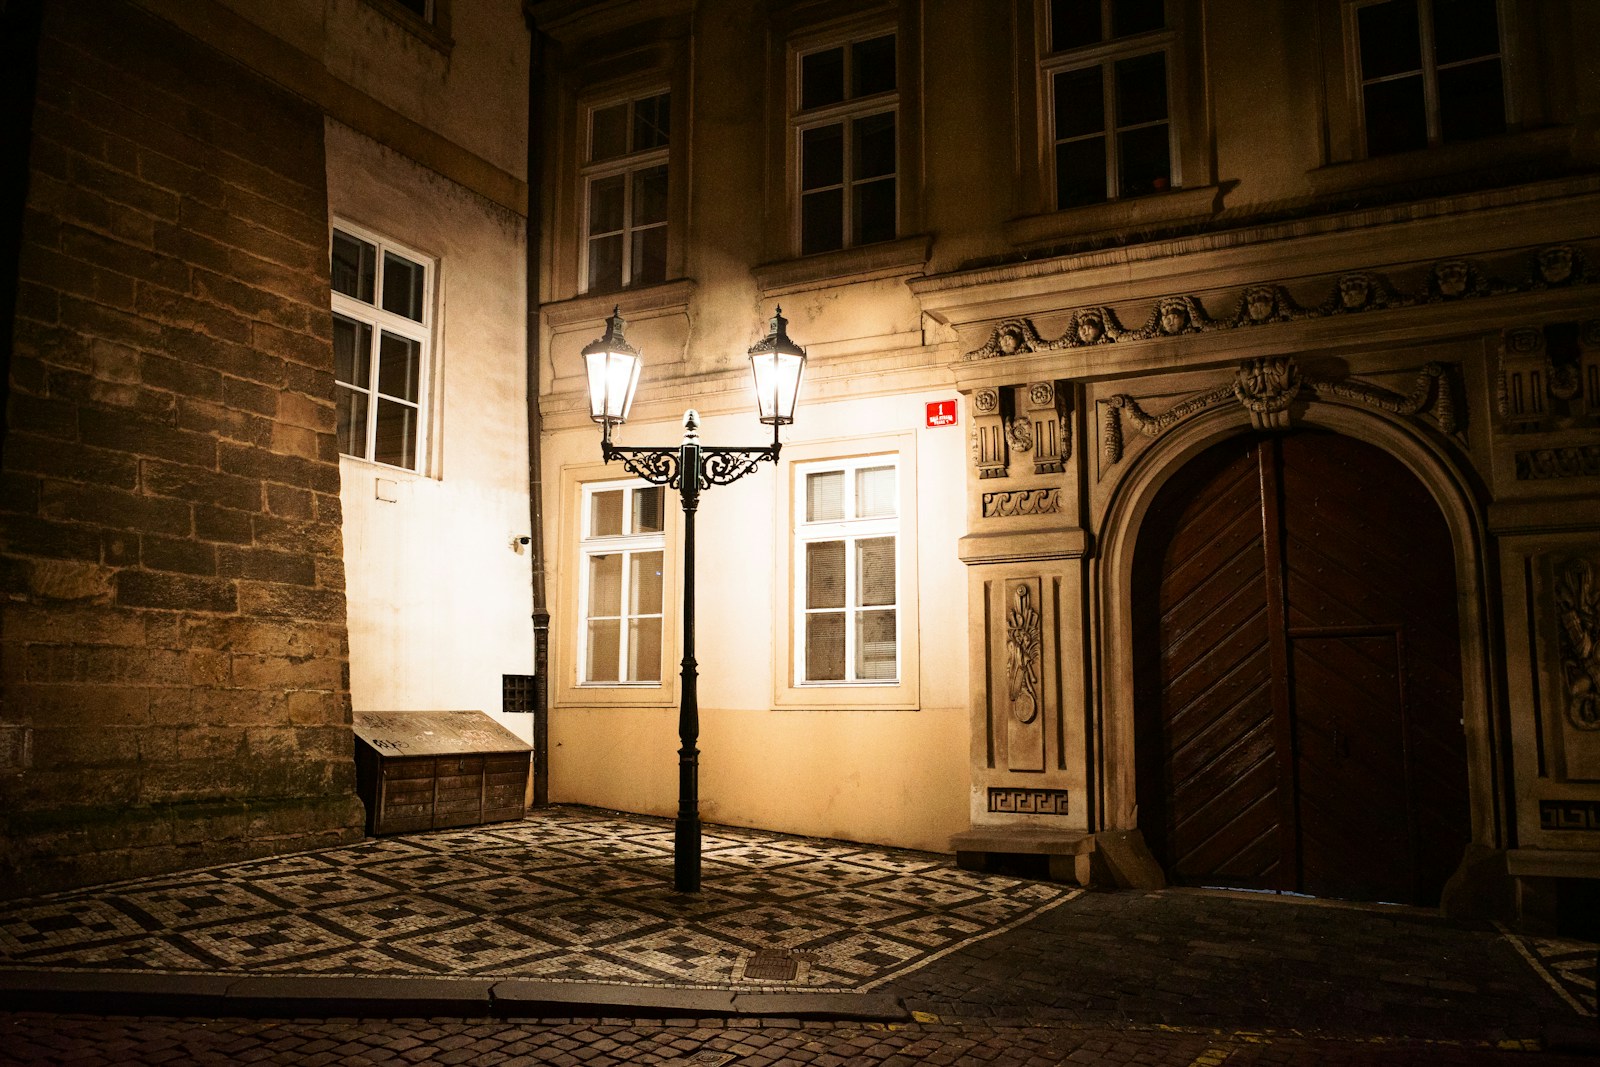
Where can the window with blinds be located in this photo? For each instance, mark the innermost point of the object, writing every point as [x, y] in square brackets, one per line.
[620, 588]
[847, 575]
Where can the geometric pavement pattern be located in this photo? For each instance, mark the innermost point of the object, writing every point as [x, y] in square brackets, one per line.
[1568, 967]
[565, 895]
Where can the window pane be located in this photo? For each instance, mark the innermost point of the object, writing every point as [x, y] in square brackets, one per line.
[825, 647]
[605, 263]
[418, 8]
[822, 78]
[875, 492]
[875, 211]
[1391, 41]
[352, 422]
[822, 221]
[402, 286]
[1081, 173]
[1074, 23]
[652, 122]
[605, 585]
[825, 496]
[644, 583]
[1396, 119]
[1465, 29]
[354, 266]
[873, 152]
[399, 364]
[396, 439]
[352, 352]
[647, 509]
[606, 197]
[644, 650]
[600, 664]
[825, 574]
[649, 264]
[872, 66]
[649, 196]
[608, 137]
[822, 156]
[1141, 89]
[1137, 16]
[1471, 101]
[1144, 158]
[875, 651]
[605, 513]
[1080, 103]
[875, 571]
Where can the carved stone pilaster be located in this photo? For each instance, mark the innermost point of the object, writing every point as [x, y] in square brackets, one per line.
[1024, 635]
[990, 447]
[1052, 443]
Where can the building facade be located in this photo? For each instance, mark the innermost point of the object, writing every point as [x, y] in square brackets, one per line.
[1194, 480]
[1193, 476]
[266, 454]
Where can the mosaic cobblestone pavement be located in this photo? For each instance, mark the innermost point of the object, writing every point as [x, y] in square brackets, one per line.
[564, 895]
[1568, 967]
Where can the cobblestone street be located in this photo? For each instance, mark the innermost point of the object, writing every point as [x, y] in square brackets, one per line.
[555, 941]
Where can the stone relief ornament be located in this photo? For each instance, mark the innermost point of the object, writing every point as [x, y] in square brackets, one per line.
[1024, 643]
[1539, 464]
[1261, 304]
[1578, 613]
[1010, 505]
[1019, 434]
[1265, 303]
[1268, 387]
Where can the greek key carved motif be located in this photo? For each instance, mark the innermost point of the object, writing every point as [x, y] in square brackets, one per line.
[1568, 815]
[1028, 801]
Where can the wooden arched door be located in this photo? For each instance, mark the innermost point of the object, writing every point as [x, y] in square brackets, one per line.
[1297, 654]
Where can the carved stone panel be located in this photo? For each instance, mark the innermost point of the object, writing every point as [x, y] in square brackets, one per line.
[990, 450]
[1024, 686]
[1566, 609]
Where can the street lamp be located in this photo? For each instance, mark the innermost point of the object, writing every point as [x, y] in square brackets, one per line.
[612, 365]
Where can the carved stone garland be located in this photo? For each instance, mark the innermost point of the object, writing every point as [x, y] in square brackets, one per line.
[1024, 644]
[1578, 617]
[1267, 388]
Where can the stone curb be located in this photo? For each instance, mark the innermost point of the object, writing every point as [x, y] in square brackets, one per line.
[123, 993]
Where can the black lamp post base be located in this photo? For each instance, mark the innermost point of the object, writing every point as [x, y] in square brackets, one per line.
[686, 855]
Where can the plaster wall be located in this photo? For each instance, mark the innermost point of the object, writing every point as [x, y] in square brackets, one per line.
[440, 598]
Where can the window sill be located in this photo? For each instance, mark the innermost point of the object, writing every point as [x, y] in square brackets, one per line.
[886, 259]
[1177, 206]
[1550, 145]
[637, 303]
[435, 34]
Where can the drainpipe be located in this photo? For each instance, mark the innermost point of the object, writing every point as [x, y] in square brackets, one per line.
[541, 609]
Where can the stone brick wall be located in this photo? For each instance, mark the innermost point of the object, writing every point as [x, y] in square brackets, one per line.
[173, 649]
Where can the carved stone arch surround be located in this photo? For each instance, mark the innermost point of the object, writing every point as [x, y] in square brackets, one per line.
[1139, 479]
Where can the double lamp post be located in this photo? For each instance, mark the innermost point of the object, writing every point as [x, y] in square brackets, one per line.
[613, 369]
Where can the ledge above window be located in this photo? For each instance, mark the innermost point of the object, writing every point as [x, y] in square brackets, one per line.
[1548, 146]
[435, 32]
[636, 303]
[1116, 216]
[885, 259]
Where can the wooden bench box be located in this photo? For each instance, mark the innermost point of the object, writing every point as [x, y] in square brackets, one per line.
[425, 770]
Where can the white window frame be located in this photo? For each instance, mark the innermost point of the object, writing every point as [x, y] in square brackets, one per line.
[1104, 56]
[379, 320]
[1429, 72]
[789, 689]
[627, 543]
[625, 165]
[845, 114]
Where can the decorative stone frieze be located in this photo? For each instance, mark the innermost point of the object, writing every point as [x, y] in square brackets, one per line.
[1028, 801]
[1539, 464]
[1010, 505]
[1268, 389]
[1269, 303]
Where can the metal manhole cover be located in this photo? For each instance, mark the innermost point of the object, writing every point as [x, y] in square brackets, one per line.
[771, 967]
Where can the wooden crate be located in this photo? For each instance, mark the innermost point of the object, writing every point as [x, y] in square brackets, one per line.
[424, 770]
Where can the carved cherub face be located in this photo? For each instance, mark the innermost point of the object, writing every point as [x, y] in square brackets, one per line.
[1090, 327]
[1354, 291]
[1259, 303]
[1555, 264]
[1451, 278]
[1174, 317]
